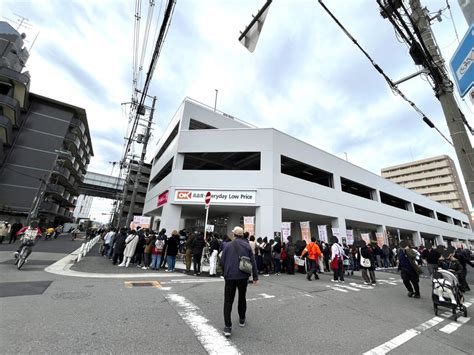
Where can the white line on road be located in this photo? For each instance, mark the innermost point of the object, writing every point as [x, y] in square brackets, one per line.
[191, 281]
[348, 287]
[210, 338]
[63, 267]
[451, 327]
[364, 287]
[394, 343]
[264, 296]
[337, 289]
[410, 333]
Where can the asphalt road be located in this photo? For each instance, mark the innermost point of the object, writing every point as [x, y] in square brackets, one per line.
[183, 314]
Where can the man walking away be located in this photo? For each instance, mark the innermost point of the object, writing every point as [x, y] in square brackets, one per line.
[432, 257]
[313, 255]
[213, 251]
[235, 278]
[13, 230]
[409, 269]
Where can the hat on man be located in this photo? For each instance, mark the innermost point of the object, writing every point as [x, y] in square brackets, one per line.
[238, 231]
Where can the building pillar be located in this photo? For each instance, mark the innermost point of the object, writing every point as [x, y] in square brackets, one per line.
[267, 221]
[233, 220]
[340, 223]
[440, 240]
[417, 241]
[170, 217]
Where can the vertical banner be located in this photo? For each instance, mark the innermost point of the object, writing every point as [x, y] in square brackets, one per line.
[249, 225]
[380, 239]
[335, 233]
[365, 237]
[323, 233]
[350, 237]
[285, 230]
[305, 232]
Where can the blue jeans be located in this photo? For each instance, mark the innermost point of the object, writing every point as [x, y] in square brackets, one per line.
[171, 260]
[155, 261]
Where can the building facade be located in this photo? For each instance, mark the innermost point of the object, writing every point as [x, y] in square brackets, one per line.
[124, 205]
[274, 178]
[45, 145]
[435, 178]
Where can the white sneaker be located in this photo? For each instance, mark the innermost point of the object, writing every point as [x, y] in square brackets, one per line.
[366, 283]
[144, 268]
[121, 265]
[334, 280]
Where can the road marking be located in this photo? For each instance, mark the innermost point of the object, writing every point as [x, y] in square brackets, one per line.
[453, 326]
[389, 282]
[211, 339]
[264, 296]
[394, 343]
[191, 281]
[348, 287]
[63, 267]
[337, 289]
[410, 333]
[364, 287]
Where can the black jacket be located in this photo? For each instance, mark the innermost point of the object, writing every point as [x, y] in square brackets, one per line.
[198, 245]
[120, 243]
[172, 245]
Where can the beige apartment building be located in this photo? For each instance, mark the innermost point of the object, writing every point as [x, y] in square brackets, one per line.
[435, 178]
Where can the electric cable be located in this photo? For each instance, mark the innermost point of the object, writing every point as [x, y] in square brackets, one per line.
[452, 19]
[381, 72]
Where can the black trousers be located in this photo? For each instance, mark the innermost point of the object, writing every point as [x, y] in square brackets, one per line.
[197, 263]
[411, 281]
[313, 269]
[229, 294]
[117, 258]
[290, 264]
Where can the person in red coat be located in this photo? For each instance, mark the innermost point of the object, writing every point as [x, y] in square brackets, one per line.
[29, 235]
[314, 254]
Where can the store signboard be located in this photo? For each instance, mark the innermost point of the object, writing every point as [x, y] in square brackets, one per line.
[140, 221]
[163, 198]
[219, 197]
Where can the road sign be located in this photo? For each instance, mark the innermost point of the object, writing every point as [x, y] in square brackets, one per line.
[462, 63]
[208, 198]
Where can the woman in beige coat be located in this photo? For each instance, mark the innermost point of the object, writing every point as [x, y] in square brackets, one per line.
[130, 246]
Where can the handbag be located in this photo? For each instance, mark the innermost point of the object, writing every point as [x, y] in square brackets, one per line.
[245, 264]
[364, 262]
[335, 263]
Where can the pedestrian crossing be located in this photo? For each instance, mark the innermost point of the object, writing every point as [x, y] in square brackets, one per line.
[357, 287]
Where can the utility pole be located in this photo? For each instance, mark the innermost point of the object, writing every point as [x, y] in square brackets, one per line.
[444, 91]
[140, 164]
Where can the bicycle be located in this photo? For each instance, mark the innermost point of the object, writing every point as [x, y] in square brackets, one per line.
[22, 257]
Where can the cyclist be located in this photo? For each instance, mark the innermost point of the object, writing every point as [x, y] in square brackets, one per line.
[49, 233]
[29, 235]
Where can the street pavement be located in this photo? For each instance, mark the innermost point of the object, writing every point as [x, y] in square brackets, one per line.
[178, 313]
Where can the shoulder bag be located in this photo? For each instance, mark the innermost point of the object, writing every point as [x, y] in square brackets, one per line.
[245, 264]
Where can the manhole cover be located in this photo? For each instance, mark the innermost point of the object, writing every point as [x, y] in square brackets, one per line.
[70, 295]
[130, 284]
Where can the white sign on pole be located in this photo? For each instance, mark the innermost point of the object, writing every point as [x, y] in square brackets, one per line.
[210, 228]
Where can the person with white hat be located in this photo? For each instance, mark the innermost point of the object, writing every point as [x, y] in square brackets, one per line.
[233, 255]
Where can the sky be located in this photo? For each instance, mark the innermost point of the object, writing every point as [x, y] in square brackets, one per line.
[305, 78]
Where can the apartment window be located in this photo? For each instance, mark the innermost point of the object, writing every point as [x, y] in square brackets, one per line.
[5, 88]
[442, 217]
[354, 188]
[306, 172]
[222, 161]
[168, 141]
[161, 174]
[193, 125]
[393, 201]
[457, 222]
[423, 211]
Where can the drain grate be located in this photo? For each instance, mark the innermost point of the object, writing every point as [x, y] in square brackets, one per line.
[130, 284]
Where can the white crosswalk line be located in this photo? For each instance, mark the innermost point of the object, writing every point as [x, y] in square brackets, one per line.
[337, 289]
[467, 304]
[348, 287]
[394, 343]
[364, 287]
[453, 326]
[429, 324]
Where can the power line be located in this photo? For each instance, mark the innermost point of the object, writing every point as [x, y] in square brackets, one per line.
[381, 72]
[452, 19]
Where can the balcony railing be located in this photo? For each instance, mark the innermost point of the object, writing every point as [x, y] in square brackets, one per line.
[11, 109]
[49, 207]
[6, 130]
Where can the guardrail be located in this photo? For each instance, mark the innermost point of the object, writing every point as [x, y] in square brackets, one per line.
[86, 247]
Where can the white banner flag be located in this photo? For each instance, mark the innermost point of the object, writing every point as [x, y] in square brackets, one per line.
[323, 233]
[305, 231]
[350, 236]
[249, 225]
[365, 237]
[285, 230]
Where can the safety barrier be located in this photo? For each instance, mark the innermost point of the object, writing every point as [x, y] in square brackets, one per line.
[86, 247]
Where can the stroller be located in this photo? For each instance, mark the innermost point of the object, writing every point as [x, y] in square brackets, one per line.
[446, 293]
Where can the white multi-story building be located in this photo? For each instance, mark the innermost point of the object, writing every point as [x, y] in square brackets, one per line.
[275, 178]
